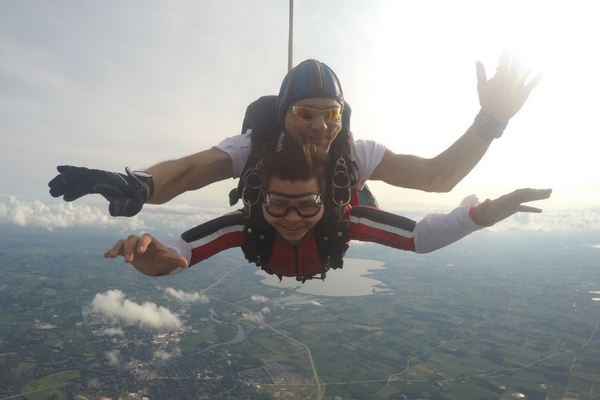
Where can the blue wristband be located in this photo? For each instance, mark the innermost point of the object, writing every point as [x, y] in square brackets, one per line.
[487, 128]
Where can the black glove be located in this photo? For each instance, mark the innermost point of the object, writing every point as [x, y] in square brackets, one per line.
[126, 193]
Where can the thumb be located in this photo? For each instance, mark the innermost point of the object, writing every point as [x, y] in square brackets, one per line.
[175, 260]
[182, 262]
[117, 206]
[529, 209]
[480, 73]
[124, 207]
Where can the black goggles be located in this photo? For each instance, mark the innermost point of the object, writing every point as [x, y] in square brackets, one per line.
[307, 205]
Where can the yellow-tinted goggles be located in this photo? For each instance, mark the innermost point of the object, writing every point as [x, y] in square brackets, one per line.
[310, 114]
[307, 205]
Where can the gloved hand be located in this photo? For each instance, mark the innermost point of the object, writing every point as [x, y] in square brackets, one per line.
[126, 193]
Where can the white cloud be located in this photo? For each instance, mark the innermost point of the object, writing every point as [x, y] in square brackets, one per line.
[254, 317]
[258, 317]
[259, 299]
[113, 332]
[115, 309]
[165, 355]
[187, 297]
[114, 357]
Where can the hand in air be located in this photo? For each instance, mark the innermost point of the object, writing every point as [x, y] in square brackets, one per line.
[147, 255]
[126, 193]
[491, 211]
[503, 95]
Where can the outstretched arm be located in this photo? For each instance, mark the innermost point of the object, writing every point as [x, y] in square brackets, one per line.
[438, 174]
[438, 230]
[147, 255]
[500, 97]
[128, 193]
[172, 178]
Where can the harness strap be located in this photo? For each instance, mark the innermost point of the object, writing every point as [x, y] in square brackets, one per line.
[332, 231]
[258, 234]
[261, 119]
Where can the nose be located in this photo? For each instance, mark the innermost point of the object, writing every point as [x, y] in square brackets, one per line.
[292, 215]
[318, 124]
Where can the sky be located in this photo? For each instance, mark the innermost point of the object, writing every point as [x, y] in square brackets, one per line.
[113, 84]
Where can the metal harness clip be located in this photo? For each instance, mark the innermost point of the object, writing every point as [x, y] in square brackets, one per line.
[252, 185]
[341, 189]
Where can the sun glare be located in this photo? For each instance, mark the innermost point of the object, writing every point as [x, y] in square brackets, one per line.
[424, 63]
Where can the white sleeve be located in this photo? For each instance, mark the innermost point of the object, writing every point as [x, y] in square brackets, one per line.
[367, 154]
[438, 230]
[182, 248]
[238, 148]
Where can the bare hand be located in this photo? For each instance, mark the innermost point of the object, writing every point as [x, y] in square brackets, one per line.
[491, 211]
[503, 95]
[147, 255]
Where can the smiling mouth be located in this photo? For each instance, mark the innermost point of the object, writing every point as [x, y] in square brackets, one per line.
[292, 229]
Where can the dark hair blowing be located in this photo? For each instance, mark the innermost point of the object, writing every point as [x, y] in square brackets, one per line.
[295, 161]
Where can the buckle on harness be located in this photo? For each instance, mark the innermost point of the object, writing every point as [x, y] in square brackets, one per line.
[252, 185]
[341, 183]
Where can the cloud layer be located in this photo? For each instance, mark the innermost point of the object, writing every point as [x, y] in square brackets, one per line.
[62, 215]
[66, 215]
[182, 217]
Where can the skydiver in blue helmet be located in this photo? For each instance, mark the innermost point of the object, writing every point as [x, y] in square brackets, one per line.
[311, 105]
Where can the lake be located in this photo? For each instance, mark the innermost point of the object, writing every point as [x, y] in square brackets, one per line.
[352, 280]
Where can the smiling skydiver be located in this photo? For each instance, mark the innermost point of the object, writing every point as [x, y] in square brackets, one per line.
[286, 236]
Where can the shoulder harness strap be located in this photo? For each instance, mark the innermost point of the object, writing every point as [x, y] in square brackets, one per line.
[332, 231]
[261, 119]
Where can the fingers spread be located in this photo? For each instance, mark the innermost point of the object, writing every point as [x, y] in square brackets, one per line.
[504, 61]
[480, 73]
[525, 195]
[516, 64]
[534, 82]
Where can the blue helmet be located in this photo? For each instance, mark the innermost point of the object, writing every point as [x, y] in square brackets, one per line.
[309, 79]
